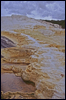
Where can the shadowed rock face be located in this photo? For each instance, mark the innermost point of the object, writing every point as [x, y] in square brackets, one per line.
[1, 56]
[5, 42]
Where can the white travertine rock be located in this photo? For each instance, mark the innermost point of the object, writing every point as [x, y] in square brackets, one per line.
[39, 55]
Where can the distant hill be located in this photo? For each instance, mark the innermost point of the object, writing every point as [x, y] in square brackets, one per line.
[61, 22]
[19, 21]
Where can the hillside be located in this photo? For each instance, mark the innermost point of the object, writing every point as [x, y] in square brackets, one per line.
[59, 22]
[32, 59]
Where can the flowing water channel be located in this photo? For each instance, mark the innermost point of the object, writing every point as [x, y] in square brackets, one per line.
[49, 64]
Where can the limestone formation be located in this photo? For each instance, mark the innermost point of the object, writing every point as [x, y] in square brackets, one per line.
[35, 54]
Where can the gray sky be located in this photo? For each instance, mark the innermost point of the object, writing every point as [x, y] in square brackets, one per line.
[34, 9]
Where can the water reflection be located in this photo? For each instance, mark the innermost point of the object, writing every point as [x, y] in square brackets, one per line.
[10, 82]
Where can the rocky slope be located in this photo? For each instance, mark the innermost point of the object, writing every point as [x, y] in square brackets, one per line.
[32, 52]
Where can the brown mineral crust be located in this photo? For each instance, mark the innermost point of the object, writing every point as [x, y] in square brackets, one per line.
[17, 95]
[35, 75]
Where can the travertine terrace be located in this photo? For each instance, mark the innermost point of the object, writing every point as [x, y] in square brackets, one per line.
[32, 59]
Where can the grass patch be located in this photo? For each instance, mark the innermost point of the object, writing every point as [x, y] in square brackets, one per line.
[61, 22]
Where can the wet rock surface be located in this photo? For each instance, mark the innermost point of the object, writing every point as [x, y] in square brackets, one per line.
[5, 42]
[38, 57]
[9, 82]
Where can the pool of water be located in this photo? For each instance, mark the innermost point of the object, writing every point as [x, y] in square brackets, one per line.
[10, 82]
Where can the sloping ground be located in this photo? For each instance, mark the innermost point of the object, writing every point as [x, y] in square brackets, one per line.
[38, 58]
[60, 22]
